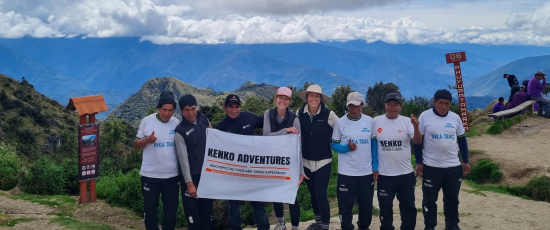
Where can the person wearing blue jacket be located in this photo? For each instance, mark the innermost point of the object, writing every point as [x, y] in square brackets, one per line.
[357, 168]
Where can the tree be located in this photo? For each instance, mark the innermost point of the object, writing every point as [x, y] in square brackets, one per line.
[338, 99]
[415, 106]
[150, 110]
[375, 95]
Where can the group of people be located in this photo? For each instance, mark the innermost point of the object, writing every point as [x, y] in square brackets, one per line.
[370, 150]
[529, 90]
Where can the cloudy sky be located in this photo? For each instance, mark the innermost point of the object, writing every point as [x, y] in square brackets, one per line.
[525, 22]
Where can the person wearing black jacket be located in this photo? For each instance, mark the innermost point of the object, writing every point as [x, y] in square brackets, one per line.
[514, 85]
[242, 123]
[316, 122]
[190, 142]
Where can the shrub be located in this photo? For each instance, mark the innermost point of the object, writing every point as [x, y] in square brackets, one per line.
[9, 167]
[70, 174]
[496, 128]
[122, 190]
[485, 171]
[45, 177]
[539, 188]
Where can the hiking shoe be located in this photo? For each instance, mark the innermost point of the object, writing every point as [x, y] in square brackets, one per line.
[280, 226]
[314, 226]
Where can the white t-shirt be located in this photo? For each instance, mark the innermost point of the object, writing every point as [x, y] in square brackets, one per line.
[394, 144]
[159, 159]
[440, 138]
[358, 162]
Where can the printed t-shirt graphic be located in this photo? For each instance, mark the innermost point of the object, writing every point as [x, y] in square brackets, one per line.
[440, 138]
[394, 144]
[358, 162]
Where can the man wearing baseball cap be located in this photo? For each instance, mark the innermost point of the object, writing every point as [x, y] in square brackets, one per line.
[351, 138]
[534, 90]
[159, 168]
[242, 123]
[391, 138]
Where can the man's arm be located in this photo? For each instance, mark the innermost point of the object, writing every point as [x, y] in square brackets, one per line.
[141, 143]
[183, 158]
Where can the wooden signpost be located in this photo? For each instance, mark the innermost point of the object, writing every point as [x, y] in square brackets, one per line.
[456, 58]
[88, 143]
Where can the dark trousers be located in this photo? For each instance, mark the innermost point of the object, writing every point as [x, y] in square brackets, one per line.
[260, 215]
[294, 211]
[403, 187]
[513, 90]
[317, 186]
[197, 210]
[152, 188]
[351, 189]
[435, 179]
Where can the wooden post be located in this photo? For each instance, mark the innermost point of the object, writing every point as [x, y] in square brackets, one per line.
[456, 58]
[93, 196]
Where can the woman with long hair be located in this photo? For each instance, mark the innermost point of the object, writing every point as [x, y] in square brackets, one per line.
[281, 121]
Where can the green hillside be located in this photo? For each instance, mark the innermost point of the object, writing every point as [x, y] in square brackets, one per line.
[32, 122]
[135, 107]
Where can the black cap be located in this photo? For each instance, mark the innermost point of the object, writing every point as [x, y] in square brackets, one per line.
[393, 96]
[166, 97]
[232, 98]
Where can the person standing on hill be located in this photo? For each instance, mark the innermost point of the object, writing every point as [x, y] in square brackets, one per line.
[391, 136]
[190, 145]
[242, 123]
[534, 90]
[159, 168]
[513, 83]
[317, 122]
[439, 164]
[281, 121]
[356, 162]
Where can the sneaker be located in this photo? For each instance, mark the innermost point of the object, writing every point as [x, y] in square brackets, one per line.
[314, 226]
[280, 226]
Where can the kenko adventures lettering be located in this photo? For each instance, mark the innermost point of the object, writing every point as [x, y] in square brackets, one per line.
[456, 58]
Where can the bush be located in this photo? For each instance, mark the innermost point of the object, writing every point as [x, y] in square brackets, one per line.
[539, 188]
[45, 177]
[496, 128]
[485, 171]
[70, 173]
[122, 190]
[9, 167]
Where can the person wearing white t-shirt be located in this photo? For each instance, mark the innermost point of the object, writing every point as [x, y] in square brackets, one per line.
[159, 168]
[351, 139]
[439, 164]
[392, 134]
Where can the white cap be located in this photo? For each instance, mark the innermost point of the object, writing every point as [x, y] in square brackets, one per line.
[354, 98]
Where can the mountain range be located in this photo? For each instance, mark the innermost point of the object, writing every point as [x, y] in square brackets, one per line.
[117, 67]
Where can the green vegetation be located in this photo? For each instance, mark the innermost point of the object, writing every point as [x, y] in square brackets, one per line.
[6, 221]
[71, 223]
[479, 193]
[539, 188]
[46, 177]
[499, 126]
[9, 167]
[485, 171]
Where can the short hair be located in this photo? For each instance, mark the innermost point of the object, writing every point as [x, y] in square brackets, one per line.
[504, 76]
[187, 100]
[500, 99]
[443, 94]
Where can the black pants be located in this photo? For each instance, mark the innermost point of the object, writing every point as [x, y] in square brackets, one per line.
[152, 188]
[294, 211]
[350, 189]
[260, 215]
[435, 179]
[513, 90]
[197, 210]
[317, 186]
[403, 187]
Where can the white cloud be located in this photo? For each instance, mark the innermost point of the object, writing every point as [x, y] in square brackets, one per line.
[270, 21]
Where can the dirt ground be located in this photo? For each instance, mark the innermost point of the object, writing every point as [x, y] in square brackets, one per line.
[523, 152]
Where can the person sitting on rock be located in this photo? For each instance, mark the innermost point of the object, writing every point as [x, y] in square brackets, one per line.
[498, 106]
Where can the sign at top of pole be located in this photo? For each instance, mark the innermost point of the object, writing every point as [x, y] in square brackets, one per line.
[456, 58]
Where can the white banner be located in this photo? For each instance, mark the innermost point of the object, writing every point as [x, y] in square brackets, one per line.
[250, 168]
